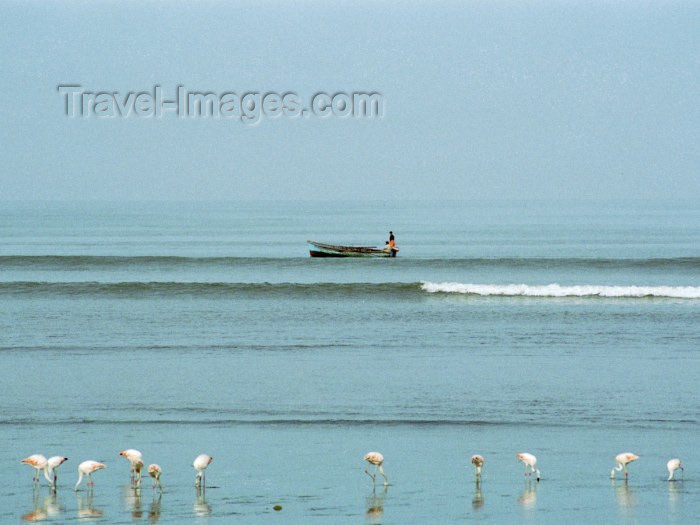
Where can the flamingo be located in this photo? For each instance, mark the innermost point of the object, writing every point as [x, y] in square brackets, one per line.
[376, 459]
[622, 461]
[138, 465]
[132, 455]
[478, 462]
[672, 466]
[200, 464]
[530, 462]
[87, 468]
[155, 471]
[36, 461]
[51, 465]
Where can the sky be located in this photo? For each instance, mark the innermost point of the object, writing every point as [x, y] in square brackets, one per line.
[481, 99]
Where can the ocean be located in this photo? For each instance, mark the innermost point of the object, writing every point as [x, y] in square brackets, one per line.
[570, 330]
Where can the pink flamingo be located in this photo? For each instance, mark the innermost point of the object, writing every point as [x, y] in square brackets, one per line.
[478, 462]
[138, 466]
[530, 462]
[36, 461]
[200, 464]
[376, 459]
[132, 455]
[51, 465]
[87, 468]
[622, 461]
[155, 471]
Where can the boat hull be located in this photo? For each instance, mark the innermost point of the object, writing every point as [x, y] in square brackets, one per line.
[317, 249]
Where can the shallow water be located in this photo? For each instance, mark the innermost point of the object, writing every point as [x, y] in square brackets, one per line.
[182, 329]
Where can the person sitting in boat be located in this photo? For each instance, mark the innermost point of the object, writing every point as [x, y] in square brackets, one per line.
[387, 248]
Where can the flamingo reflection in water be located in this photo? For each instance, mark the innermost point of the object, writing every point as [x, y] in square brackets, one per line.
[49, 508]
[86, 506]
[201, 506]
[528, 498]
[375, 506]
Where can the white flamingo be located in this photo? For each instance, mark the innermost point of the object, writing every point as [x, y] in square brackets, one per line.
[132, 455]
[87, 468]
[478, 462]
[155, 471]
[138, 466]
[200, 464]
[622, 461]
[376, 459]
[36, 461]
[672, 466]
[51, 465]
[530, 462]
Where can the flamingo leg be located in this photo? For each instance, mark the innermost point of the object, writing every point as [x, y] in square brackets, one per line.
[386, 480]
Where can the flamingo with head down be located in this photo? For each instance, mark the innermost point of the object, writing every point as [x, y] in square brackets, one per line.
[200, 464]
[87, 468]
[478, 462]
[622, 461]
[51, 465]
[133, 456]
[376, 459]
[530, 462]
[36, 461]
[155, 471]
[672, 466]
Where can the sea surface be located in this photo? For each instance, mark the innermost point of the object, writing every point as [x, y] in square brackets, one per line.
[570, 330]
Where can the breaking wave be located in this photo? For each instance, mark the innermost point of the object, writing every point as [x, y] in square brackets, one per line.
[556, 290]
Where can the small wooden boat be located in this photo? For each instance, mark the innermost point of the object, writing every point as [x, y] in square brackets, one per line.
[319, 249]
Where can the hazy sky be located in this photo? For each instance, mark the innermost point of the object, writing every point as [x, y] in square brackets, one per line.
[512, 99]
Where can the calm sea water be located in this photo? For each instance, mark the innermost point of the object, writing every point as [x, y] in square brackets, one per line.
[568, 330]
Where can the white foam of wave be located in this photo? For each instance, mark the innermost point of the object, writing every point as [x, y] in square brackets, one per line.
[556, 290]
